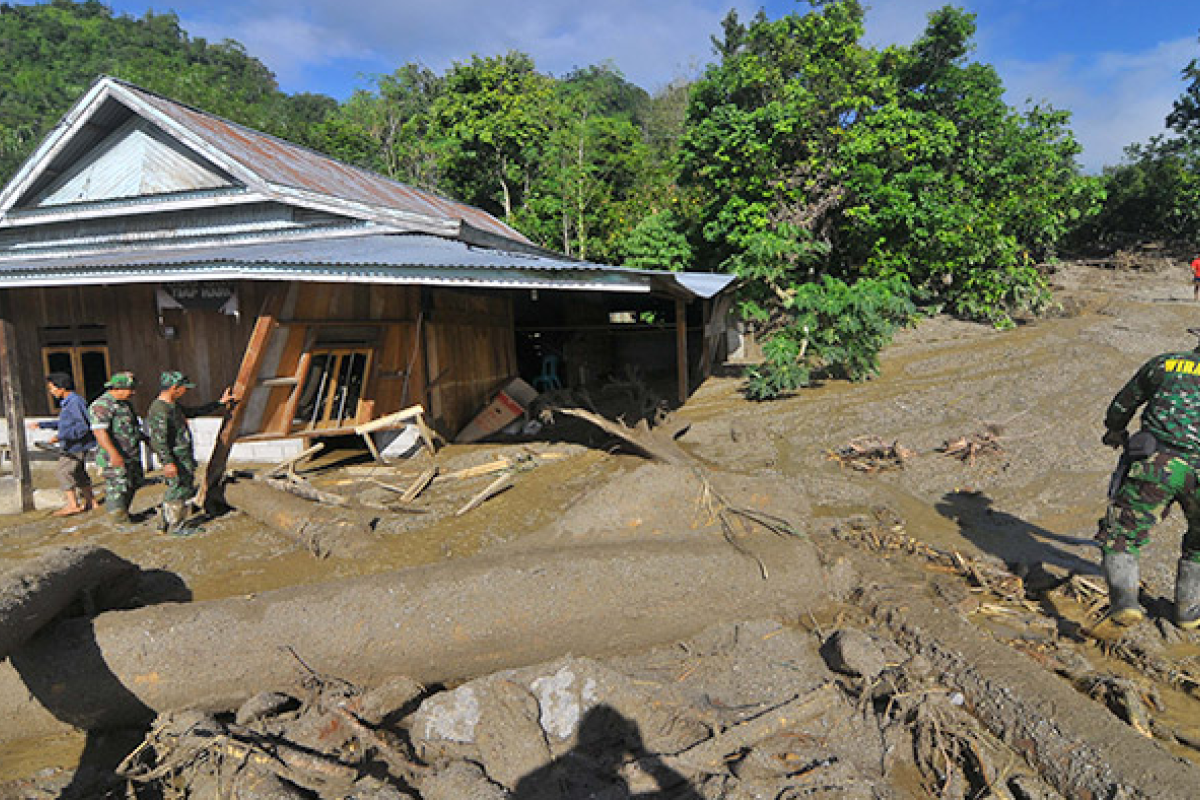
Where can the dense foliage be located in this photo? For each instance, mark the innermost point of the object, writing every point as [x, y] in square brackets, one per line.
[50, 54]
[843, 184]
[848, 180]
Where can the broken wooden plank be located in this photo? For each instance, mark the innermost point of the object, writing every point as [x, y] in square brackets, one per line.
[290, 464]
[481, 469]
[375, 454]
[304, 489]
[423, 480]
[494, 488]
[412, 412]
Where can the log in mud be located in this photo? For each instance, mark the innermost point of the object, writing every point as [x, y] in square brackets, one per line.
[34, 593]
[1075, 745]
[440, 623]
[323, 530]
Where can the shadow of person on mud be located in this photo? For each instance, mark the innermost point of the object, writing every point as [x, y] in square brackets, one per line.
[63, 667]
[608, 742]
[1010, 538]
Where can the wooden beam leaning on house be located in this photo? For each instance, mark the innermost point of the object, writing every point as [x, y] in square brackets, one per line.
[264, 326]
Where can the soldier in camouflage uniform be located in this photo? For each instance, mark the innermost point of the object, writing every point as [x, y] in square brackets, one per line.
[115, 425]
[1162, 470]
[171, 441]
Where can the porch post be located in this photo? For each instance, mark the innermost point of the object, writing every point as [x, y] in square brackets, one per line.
[681, 349]
[264, 326]
[14, 411]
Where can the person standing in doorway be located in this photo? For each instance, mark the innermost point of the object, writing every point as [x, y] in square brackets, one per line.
[75, 440]
[115, 426]
[171, 441]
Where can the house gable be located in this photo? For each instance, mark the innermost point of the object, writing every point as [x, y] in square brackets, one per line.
[135, 160]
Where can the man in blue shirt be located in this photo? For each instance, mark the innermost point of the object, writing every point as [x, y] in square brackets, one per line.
[75, 440]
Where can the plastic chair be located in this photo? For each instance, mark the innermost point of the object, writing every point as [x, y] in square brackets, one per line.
[548, 379]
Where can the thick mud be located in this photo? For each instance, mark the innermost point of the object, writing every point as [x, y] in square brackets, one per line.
[1024, 506]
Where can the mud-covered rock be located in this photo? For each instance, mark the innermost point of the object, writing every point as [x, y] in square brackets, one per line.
[510, 738]
[460, 780]
[854, 653]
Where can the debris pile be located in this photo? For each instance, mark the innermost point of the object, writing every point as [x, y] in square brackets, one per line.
[746, 710]
[981, 443]
[871, 454]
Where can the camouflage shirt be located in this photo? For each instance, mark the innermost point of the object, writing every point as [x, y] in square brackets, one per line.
[170, 434]
[1169, 386]
[120, 420]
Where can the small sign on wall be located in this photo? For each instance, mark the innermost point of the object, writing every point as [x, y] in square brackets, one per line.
[207, 296]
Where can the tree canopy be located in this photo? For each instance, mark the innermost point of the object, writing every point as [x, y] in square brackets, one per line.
[847, 186]
[843, 182]
[51, 53]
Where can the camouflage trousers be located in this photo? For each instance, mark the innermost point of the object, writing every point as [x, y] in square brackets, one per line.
[120, 483]
[1143, 498]
[183, 485]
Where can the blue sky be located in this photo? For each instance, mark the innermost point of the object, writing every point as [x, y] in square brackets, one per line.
[1115, 64]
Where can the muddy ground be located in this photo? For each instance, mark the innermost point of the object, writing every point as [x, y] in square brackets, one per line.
[951, 500]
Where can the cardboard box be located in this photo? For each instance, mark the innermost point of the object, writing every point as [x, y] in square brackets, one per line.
[508, 404]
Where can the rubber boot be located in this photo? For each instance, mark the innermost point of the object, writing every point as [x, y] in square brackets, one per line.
[1121, 573]
[1187, 595]
[173, 515]
[120, 521]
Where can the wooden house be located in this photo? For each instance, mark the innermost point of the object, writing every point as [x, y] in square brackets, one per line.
[146, 235]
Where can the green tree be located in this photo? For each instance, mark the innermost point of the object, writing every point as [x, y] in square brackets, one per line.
[1154, 194]
[50, 54]
[583, 200]
[491, 122]
[836, 176]
[388, 130]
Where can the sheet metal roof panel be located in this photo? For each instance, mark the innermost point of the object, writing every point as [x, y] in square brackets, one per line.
[365, 257]
[283, 163]
[704, 285]
[492, 278]
[372, 248]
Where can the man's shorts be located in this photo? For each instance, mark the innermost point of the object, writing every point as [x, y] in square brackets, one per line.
[72, 471]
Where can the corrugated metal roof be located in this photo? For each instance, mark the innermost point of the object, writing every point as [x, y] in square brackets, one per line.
[283, 163]
[371, 258]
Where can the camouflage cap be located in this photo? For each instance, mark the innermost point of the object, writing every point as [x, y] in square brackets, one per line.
[121, 380]
[170, 380]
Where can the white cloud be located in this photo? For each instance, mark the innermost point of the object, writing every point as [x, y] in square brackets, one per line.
[288, 45]
[898, 21]
[650, 42]
[1115, 99]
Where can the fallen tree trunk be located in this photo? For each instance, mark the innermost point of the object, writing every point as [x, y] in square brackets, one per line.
[441, 623]
[35, 592]
[1075, 744]
[320, 529]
